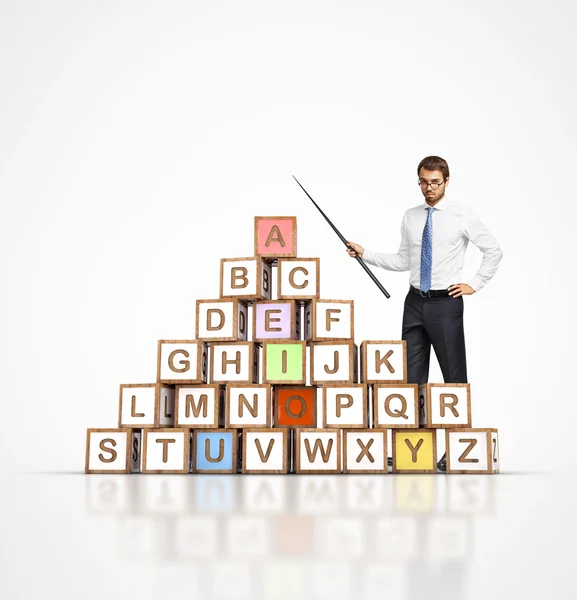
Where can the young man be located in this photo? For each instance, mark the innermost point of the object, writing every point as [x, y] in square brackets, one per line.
[434, 238]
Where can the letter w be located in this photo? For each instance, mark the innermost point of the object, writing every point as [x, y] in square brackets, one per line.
[325, 454]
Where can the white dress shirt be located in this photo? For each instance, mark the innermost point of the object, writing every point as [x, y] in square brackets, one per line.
[454, 226]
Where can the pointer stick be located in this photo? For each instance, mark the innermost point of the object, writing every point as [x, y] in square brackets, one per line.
[344, 241]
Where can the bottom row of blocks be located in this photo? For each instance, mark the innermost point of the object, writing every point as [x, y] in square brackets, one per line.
[277, 450]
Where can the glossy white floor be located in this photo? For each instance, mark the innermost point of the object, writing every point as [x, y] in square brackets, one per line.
[68, 535]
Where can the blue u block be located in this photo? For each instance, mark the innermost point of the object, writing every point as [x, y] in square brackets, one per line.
[214, 451]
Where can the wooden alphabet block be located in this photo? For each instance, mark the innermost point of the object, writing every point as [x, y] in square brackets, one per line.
[276, 319]
[472, 450]
[298, 278]
[384, 361]
[199, 406]
[166, 451]
[182, 361]
[396, 406]
[275, 236]
[247, 278]
[333, 362]
[284, 362]
[221, 320]
[445, 405]
[215, 451]
[234, 363]
[295, 406]
[112, 451]
[365, 451]
[146, 405]
[328, 320]
[345, 405]
[248, 405]
[318, 451]
[414, 451]
[265, 450]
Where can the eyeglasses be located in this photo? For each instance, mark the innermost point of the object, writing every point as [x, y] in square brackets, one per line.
[425, 184]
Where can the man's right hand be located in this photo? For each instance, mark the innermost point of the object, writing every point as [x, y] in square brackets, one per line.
[356, 249]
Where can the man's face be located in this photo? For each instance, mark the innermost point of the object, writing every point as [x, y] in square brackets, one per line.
[426, 178]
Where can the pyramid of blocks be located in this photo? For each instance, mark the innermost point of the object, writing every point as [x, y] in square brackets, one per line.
[242, 396]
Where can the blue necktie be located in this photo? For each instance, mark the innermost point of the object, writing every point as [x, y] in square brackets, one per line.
[427, 252]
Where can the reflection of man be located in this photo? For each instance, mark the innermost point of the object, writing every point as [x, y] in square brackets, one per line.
[434, 238]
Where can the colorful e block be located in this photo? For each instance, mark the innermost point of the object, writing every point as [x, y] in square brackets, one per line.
[345, 405]
[247, 278]
[182, 361]
[215, 451]
[295, 406]
[248, 405]
[396, 406]
[221, 320]
[414, 451]
[265, 450]
[146, 405]
[112, 451]
[327, 320]
[384, 361]
[318, 451]
[333, 362]
[472, 450]
[275, 236]
[298, 278]
[166, 451]
[445, 405]
[365, 451]
[284, 362]
[278, 319]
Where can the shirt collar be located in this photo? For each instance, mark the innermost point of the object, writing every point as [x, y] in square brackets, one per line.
[441, 204]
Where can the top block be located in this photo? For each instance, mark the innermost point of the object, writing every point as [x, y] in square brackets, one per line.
[275, 237]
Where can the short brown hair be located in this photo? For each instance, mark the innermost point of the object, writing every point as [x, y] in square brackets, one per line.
[434, 163]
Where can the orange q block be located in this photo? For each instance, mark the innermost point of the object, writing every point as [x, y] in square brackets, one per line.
[275, 237]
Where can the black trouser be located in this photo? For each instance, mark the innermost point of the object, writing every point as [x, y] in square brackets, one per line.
[437, 322]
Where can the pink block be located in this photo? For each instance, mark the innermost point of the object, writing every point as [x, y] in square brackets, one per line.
[280, 240]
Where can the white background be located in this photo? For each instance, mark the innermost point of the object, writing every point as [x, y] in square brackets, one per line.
[138, 140]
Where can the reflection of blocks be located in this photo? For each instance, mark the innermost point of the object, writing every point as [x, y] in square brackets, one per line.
[384, 361]
[298, 278]
[276, 319]
[416, 495]
[275, 236]
[295, 406]
[248, 405]
[265, 450]
[221, 320]
[182, 361]
[396, 406]
[318, 451]
[414, 451]
[112, 451]
[166, 451]
[146, 405]
[284, 362]
[199, 406]
[294, 534]
[365, 451]
[445, 405]
[248, 278]
[327, 320]
[215, 451]
[472, 450]
[236, 363]
[333, 362]
[345, 405]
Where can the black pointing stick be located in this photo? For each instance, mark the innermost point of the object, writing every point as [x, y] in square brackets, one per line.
[344, 241]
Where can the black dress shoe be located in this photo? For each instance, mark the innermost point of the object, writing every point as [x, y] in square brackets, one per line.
[442, 464]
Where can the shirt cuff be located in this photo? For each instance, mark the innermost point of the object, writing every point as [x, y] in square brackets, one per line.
[477, 284]
[369, 257]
